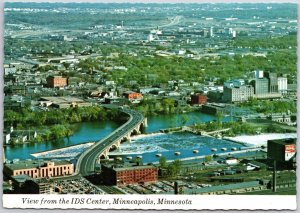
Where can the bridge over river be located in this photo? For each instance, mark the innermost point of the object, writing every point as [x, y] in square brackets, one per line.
[88, 159]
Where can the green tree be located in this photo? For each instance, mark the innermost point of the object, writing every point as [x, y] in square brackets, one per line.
[174, 168]
[208, 158]
[184, 119]
[163, 162]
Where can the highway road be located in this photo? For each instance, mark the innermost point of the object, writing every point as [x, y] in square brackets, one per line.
[87, 161]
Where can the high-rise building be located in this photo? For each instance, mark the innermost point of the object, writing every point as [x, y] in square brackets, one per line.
[282, 84]
[261, 86]
[273, 82]
[211, 32]
[258, 74]
[238, 94]
[233, 34]
[234, 83]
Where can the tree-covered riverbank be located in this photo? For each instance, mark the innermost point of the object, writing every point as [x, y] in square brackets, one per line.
[57, 123]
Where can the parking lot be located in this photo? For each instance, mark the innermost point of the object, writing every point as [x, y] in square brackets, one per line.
[76, 186]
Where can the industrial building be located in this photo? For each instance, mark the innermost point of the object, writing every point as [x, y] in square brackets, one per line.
[283, 151]
[24, 184]
[36, 169]
[63, 102]
[199, 99]
[238, 94]
[124, 175]
[234, 188]
[56, 81]
[130, 95]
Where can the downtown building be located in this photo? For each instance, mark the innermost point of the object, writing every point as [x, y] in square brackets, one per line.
[282, 85]
[236, 91]
[238, 94]
[198, 99]
[124, 175]
[39, 169]
[265, 85]
[56, 81]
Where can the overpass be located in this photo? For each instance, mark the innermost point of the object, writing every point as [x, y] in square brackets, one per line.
[88, 159]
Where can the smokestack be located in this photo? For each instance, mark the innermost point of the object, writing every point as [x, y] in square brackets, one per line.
[176, 188]
[274, 176]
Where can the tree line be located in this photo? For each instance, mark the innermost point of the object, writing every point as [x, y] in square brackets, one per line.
[57, 123]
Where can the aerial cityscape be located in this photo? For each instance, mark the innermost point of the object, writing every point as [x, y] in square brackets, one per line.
[135, 98]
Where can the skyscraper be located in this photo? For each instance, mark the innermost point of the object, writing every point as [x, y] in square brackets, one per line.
[273, 82]
[282, 84]
[261, 86]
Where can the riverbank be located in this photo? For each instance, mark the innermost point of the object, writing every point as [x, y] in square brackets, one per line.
[67, 152]
[259, 140]
[55, 124]
[95, 130]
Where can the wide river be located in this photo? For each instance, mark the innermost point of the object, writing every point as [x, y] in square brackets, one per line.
[93, 131]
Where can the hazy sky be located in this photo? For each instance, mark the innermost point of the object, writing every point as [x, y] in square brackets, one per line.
[160, 1]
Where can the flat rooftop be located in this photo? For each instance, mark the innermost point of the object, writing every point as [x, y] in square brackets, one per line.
[128, 167]
[31, 164]
[284, 141]
[62, 99]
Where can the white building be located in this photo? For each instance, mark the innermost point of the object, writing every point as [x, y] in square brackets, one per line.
[231, 161]
[234, 83]
[233, 34]
[258, 74]
[150, 37]
[238, 94]
[10, 70]
[282, 84]
[211, 32]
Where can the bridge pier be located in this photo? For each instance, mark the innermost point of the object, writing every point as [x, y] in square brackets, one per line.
[145, 122]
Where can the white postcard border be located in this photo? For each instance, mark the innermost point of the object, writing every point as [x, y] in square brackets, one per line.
[151, 202]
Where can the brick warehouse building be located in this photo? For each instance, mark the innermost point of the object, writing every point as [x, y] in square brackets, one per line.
[133, 95]
[198, 99]
[56, 81]
[129, 175]
[39, 170]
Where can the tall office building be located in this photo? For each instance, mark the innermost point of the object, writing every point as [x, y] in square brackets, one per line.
[273, 82]
[234, 83]
[211, 32]
[282, 84]
[261, 86]
[258, 74]
[238, 93]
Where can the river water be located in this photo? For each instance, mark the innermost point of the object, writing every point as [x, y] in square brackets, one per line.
[173, 146]
[86, 132]
[93, 131]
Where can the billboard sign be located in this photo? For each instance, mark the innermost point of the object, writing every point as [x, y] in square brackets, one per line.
[290, 151]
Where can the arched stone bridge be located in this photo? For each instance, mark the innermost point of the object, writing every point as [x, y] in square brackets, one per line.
[87, 161]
